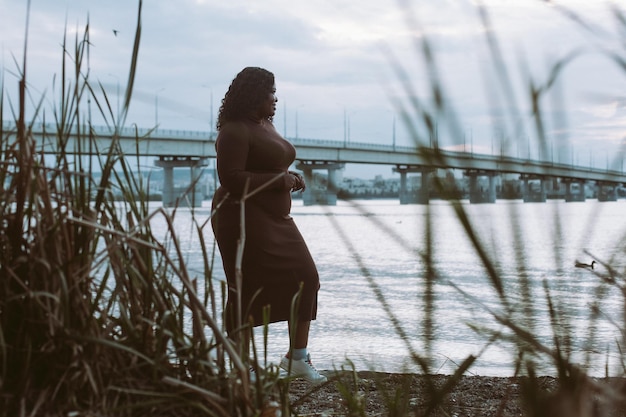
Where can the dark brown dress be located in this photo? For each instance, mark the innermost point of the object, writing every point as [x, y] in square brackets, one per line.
[276, 260]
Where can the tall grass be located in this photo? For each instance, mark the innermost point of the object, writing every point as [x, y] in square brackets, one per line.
[513, 319]
[95, 308]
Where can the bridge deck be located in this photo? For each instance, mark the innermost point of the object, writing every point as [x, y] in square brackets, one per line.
[163, 143]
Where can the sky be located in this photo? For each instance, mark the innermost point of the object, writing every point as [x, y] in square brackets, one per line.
[347, 70]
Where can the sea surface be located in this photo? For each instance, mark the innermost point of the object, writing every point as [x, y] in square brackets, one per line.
[372, 309]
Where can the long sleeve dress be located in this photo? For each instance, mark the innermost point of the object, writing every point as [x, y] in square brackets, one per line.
[276, 261]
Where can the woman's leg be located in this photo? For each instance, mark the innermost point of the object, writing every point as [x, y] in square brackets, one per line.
[298, 362]
[299, 337]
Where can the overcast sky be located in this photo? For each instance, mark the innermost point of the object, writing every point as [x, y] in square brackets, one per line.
[333, 76]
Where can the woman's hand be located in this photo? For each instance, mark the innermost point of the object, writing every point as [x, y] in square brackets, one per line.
[298, 184]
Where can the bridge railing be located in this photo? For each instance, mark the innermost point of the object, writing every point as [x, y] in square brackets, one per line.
[128, 131]
[350, 145]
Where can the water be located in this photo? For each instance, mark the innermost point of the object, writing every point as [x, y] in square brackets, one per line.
[368, 246]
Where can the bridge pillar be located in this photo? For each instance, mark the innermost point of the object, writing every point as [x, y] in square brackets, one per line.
[532, 194]
[315, 195]
[477, 193]
[574, 189]
[607, 191]
[419, 196]
[189, 196]
[167, 193]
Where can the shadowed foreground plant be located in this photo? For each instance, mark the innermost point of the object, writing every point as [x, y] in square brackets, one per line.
[515, 314]
[93, 306]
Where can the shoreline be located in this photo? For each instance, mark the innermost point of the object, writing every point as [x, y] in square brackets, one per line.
[472, 395]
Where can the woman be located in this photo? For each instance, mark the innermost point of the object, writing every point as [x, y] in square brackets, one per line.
[277, 268]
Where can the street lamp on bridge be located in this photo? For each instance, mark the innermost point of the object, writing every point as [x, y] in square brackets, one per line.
[302, 105]
[346, 126]
[211, 125]
[156, 108]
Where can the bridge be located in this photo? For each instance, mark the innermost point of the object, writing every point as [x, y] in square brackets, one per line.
[193, 149]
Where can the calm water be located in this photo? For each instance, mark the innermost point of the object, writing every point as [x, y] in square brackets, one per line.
[367, 246]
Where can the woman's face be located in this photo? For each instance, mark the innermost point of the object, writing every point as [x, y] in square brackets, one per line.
[268, 106]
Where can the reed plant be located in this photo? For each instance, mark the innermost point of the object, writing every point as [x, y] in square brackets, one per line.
[94, 308]
[424, 112]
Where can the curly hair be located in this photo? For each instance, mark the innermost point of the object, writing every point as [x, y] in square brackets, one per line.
[247, 91]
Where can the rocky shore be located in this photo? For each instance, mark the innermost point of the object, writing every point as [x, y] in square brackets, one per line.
[384, 394]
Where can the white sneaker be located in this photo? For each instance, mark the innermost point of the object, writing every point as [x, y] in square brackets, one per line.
[303, 369]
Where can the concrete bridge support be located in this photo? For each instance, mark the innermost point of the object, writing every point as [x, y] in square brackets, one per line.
[574, 189]
[607, 191]
[190, 196]
[313, 195]
[534, 194]
[478, 193]
[419, 196]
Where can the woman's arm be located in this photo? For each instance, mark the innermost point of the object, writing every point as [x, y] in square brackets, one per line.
[233, 146]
